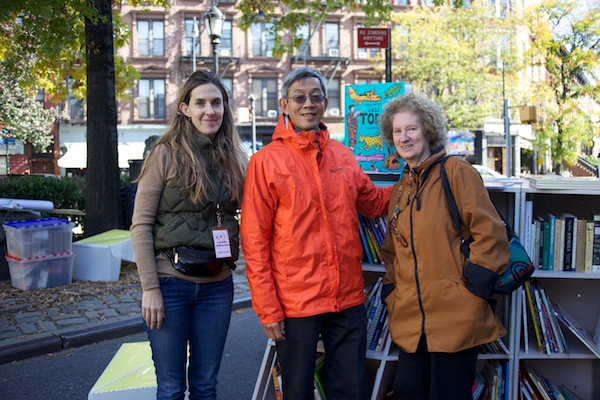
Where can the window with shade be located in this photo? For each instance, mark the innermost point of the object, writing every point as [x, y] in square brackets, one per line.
[333, 96]
[265, 92]
[151, 99]
[188, 28]
[263, 41]
[151, 38]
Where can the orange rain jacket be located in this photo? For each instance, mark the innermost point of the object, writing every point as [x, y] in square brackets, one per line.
[299, 225]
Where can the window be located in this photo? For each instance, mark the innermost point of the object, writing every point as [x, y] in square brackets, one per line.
[332, 39]
[151, 38]
[303, 31]
[263, 41]
[401, 2]
[228, 83]
[333, 95]
[189, 26]
[151, 99]
[499, 8]
[225, 48]
[265, 92]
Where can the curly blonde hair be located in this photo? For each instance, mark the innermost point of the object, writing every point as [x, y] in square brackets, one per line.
[429, 113]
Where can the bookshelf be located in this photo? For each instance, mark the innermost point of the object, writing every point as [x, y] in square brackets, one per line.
[381, 365]
[578, 293]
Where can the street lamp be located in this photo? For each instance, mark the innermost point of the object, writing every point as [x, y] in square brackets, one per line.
[252, 100]
[195, 35]
[213, 20]
[506, 127]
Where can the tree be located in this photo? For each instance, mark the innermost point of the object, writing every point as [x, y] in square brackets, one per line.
[58, 41]
[23, 116]
[288, 15]
[456, 57]
[566, 44]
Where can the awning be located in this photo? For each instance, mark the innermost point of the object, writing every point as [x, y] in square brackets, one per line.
[76, 155]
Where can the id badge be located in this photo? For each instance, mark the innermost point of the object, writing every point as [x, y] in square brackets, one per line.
[221, 241]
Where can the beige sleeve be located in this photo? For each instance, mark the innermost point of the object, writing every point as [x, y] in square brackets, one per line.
[149, 191]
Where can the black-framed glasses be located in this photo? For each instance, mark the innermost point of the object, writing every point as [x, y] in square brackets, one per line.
[301, 99]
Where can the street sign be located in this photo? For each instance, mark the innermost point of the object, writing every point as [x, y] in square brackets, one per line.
[373, 38]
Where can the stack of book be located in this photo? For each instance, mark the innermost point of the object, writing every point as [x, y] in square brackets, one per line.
[377, 323]
[533, 386]
[546, 318]
[490, 381]
[561, 182]
[372, 232]
[562, 242]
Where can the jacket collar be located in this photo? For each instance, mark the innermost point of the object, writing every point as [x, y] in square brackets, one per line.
[302, 139]
[429, 162]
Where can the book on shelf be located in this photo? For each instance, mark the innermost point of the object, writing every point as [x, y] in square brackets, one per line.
[525, 325]
[579, 331]
[528, 239]
[589, 246]
[318, 381]
[561, 182]
[569, 241]
[596, 248]
[276, 374]
[580, 245]
[535, 320]
[549, 234]
[533, 383]
[559, 244]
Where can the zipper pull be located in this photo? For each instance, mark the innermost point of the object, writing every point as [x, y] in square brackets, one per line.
[176, 256]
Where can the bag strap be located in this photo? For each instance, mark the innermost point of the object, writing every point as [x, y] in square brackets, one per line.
[453, 208]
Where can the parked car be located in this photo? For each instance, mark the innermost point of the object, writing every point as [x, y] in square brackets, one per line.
[488, 173]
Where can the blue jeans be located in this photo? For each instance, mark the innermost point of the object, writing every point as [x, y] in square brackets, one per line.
[198, 315]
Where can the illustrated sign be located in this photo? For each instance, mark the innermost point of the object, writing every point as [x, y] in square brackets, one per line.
[373, 38]
[364, 104]
[461, 143]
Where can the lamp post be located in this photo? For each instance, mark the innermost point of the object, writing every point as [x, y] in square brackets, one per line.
[195, 35]
[506, 127]
[252, 99]
[213, 20]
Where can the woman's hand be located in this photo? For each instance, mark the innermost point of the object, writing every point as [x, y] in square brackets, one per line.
[153, 310]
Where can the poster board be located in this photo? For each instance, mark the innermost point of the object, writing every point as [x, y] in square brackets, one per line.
[364, 104]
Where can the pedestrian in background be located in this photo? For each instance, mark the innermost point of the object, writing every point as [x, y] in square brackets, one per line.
[438, 308]
[186, 238]
[300, 238]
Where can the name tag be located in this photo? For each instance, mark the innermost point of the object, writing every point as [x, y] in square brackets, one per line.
[221, 241]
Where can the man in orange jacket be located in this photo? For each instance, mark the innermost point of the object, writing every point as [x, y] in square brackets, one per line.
[300, 238]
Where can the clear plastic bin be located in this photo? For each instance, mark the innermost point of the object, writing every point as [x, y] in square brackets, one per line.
[38, 237]
[41, 272]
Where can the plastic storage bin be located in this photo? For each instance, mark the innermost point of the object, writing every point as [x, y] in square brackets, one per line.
[41, 272]
[38, 237]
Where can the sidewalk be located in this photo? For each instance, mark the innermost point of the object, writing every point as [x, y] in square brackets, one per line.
[53, 319]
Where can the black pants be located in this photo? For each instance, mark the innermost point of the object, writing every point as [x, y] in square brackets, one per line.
[435, 376]
[345, 340]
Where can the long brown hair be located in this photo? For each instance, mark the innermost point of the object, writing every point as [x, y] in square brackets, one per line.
[226, 153]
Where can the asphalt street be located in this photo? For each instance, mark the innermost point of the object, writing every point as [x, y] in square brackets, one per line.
[71, 373]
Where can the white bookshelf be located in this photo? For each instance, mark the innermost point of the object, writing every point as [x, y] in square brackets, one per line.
[577, 292]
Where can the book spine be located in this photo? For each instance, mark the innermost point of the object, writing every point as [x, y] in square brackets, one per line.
[596, 249]
[527, 240]
[569, 241]
[551, 240]
[589, 246]
[363, 238]
[580, 245]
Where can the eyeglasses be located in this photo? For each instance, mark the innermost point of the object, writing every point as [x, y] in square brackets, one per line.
[301, 99]
[397, 234]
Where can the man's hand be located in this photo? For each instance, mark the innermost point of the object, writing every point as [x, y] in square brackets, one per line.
[275, 331]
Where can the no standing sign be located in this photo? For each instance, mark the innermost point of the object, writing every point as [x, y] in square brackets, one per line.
[373, 38]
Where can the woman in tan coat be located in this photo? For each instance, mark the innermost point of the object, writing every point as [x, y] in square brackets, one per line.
[435, 317]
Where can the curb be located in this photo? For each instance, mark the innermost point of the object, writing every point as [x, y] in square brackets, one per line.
[58, 342]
